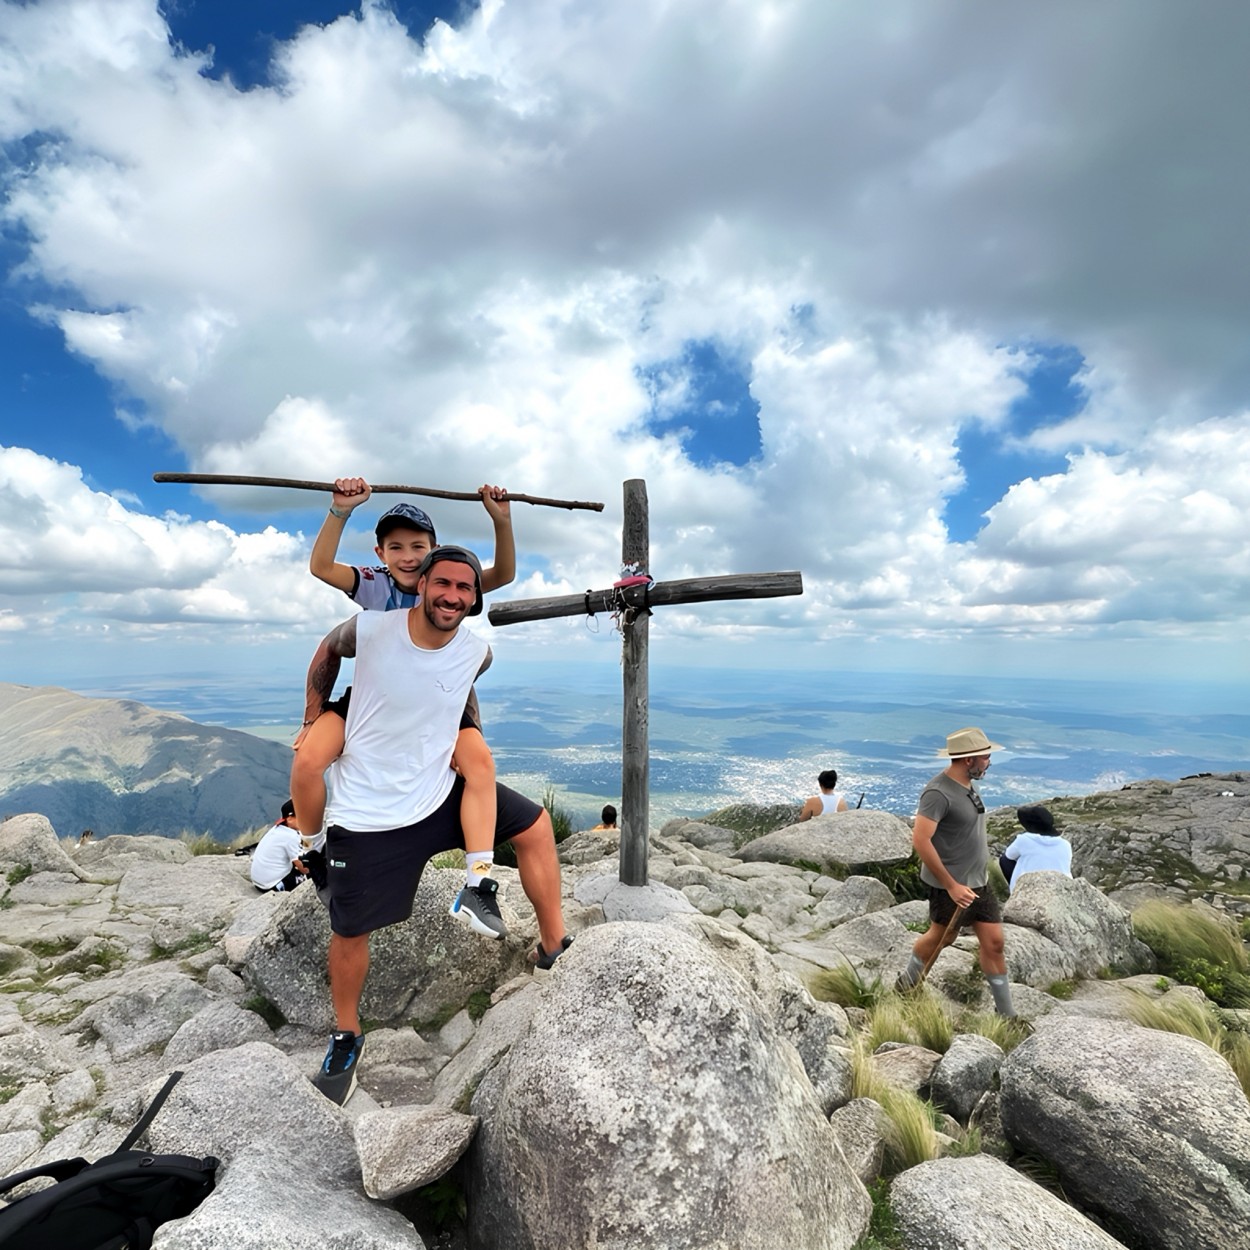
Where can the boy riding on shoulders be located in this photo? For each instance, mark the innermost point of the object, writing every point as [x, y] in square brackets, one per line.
[405, 536]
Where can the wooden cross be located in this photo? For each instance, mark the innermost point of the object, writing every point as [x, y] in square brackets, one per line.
[634, 602]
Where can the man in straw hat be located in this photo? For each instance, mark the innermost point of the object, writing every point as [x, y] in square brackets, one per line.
[949, 837]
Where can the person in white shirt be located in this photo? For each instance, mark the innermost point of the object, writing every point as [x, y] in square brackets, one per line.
[828, 800]
[1038, 849]
[395, 799]
[276, 863]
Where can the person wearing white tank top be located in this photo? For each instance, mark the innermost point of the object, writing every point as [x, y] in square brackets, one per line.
[830, 799]
[396, 800]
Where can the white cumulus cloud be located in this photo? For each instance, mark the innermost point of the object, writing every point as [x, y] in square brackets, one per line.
[459, 258]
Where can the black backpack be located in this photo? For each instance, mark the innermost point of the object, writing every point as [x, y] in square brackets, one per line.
[115, 1203]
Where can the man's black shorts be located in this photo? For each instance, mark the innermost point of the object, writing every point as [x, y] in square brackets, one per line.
[984, 911]
[374, 876]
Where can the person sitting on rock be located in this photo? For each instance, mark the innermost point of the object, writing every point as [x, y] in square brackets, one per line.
[828, 800]
[276, 864]
[1040, 848]
[607, 819]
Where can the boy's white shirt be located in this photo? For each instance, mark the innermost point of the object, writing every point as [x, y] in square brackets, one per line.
[274, 854]
[405, 713]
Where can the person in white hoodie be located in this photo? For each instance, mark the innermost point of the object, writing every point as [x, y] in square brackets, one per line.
[1039, 848]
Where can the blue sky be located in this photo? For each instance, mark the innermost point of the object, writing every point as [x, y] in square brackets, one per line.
[948, 312]
[52, 400]
[243, 36]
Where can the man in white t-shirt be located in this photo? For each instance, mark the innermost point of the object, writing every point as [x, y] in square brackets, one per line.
[828, 800]
[396, 799]
[276, 863]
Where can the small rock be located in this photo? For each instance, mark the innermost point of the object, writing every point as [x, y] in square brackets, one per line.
[407, 1147]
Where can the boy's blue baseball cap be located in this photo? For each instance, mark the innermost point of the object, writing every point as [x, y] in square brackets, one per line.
[405, 516]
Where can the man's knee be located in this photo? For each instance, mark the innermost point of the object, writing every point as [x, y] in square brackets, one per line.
[991, 939]
[473, 757]
[931, 939]
[538, 834]
[305, 768]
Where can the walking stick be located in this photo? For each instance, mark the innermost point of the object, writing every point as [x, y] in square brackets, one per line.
[952, 927]
[229, 479]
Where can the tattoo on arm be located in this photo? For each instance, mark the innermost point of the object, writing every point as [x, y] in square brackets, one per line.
[321, 676]
[338, 644]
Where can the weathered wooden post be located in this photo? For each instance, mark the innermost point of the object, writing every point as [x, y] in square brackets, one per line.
[634, 599]
[635, 746]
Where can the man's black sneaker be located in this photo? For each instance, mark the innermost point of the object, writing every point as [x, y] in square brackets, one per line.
[544, 961]
[477, 906]
[337, 1078]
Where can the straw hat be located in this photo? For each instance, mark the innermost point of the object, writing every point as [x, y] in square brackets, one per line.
[965, 742]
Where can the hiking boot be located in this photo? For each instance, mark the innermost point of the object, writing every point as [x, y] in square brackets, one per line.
[544, 961]
[337, 1078]
[477, 906]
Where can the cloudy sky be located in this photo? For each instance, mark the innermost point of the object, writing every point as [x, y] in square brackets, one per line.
[945, 304]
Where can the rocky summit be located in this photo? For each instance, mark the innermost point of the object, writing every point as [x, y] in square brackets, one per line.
[681, 1080]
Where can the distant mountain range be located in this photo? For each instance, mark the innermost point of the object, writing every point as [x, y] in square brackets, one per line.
[116, 766]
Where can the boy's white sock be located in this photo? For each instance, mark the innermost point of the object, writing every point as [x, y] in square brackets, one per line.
[477, 865]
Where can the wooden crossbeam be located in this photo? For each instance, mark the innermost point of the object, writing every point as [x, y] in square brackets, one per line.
[658, 595]
[634, 602]
[291, 483]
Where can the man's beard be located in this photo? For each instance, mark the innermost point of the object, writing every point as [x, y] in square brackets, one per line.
[429, 609]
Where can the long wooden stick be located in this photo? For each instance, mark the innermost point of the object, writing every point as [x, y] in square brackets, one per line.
[956, 922]
[229, 479]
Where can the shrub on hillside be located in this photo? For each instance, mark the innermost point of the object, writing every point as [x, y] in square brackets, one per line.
[753, 819]
[562, 824]
[902, 880]
[204, 844]
[1197, 947]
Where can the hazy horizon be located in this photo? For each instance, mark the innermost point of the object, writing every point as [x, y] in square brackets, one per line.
[735, 735]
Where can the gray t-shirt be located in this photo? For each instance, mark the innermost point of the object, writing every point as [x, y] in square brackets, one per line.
[960, 838]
